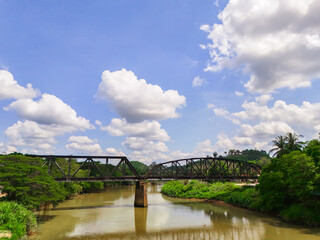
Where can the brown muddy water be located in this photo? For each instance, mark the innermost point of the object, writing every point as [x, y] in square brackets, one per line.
[111, 215]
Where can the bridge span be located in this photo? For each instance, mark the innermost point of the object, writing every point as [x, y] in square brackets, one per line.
[73, 168]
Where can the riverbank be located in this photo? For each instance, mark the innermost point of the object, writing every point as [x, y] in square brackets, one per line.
[243, 196]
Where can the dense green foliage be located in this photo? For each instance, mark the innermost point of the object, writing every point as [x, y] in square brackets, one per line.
[226, 191]
[247, 155]
[286, 144]
[290, 185]
[17, 219]
[140, 167]
[27, 182]
[259, 157]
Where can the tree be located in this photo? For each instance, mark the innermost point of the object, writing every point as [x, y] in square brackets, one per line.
[286, 144]
[292, 142]
[279, 146]
[289, 179]
[248, 155]
[140, 167]
[312, 149]
[27, 182]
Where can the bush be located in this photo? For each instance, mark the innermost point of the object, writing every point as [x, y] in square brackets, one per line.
[17, 219]
[172, 188]
[303, 213]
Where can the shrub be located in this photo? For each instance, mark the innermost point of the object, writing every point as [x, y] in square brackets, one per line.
[17, 219]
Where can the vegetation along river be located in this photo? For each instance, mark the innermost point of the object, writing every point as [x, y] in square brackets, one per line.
[111, 215]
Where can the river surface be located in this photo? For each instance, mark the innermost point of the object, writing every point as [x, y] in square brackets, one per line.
[111, 215]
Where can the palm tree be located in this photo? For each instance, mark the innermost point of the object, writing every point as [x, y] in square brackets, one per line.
[286, 144]
[279, 146]
[293, 143]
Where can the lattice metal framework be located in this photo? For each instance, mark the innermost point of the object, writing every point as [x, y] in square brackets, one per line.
[205, 168]
[122, 170]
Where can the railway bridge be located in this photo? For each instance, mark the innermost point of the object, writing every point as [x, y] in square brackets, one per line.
[70, 168]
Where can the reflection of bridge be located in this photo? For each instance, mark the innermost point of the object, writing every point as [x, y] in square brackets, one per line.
[65, 168]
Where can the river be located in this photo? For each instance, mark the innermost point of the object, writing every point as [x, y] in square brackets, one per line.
[111, 215]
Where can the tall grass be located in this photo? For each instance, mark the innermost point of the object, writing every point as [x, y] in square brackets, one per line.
[17, 219]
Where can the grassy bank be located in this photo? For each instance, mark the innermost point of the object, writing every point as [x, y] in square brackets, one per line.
[244, 196]
[16, 220]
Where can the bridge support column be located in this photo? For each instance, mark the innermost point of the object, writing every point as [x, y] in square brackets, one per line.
[140, 199]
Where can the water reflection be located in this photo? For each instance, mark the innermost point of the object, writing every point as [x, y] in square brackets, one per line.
[111, 215]
[140, 220]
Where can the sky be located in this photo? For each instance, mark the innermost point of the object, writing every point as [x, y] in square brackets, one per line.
[157, 80]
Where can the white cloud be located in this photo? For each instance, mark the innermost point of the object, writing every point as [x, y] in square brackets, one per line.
[84, 144]
[49, 110]
[113, 152]
[204, 148]
[304, 118]
[224, 142]
[138, 144]
[220, 112]
[32, 135]
[239, 94]
[210, 105]
[97, 122]
[198, 82]
[81, 139]
[147, 129]
[277, 42]
[136, 100]
[45, 120]
[9, 87]
[263, 99]
[260, 123]
[6, 149]
[202, 46]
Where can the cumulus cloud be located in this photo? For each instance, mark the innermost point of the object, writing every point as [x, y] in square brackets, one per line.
[150, 130]
[138, 143]
[48, 110]
[204, 148]
[45, 119]
[303, 118]
[114, 152]
[6, 149]
[81, 140]
[277, 42]
[136, 100]
[259, 123]
[9, 87]
[33, 135]
[84, 144]
[239, 94]
[198, 82]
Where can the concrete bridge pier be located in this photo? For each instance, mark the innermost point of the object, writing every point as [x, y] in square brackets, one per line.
[140, 199]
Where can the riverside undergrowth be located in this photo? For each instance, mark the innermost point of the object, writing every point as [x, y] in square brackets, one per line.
[247, 197]
[306, 213]
[17, 219]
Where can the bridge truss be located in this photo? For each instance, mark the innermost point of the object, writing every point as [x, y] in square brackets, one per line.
[66, 168]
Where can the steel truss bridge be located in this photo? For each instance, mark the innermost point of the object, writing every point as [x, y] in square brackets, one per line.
[119, 168]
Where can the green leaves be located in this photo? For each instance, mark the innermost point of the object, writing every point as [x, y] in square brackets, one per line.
[286, 144]
[289, 179]
[27, 182]
[17, 219]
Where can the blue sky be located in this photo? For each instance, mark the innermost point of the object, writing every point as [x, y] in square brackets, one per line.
[217, 75]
